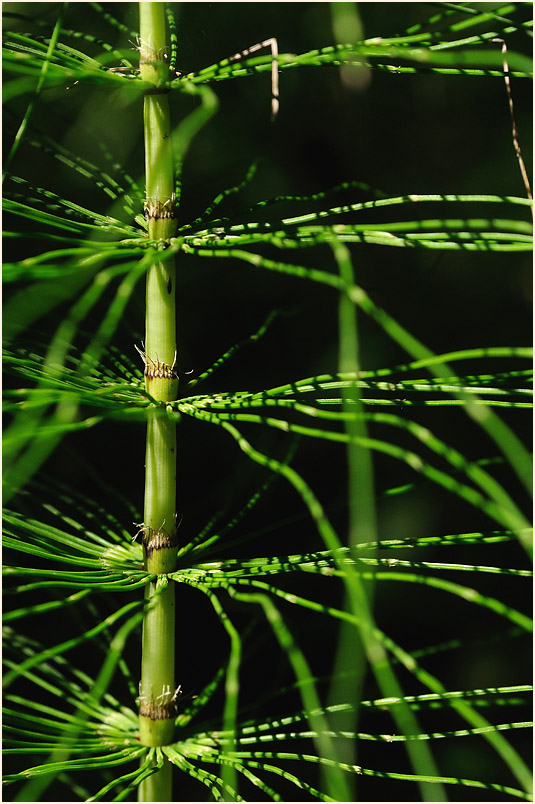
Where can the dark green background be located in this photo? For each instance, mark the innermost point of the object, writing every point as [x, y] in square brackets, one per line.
[401, 134]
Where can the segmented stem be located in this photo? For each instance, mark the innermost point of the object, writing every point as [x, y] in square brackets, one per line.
[157, 686]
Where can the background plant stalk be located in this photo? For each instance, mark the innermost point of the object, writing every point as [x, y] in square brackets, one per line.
[157, 687]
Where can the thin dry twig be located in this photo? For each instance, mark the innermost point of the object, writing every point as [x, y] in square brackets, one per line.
[516, 142]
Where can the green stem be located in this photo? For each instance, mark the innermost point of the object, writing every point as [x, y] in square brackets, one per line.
[156, 719]
[157, 687]
[158, 786]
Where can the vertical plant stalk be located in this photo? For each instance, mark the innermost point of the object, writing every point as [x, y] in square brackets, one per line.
[157, 686]
[362, 523]
[349, 666]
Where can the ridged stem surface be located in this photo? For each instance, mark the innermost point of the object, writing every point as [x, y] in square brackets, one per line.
[157, 686]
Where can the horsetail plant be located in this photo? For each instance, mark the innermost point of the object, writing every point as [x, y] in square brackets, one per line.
[317, 663]
[157, 685]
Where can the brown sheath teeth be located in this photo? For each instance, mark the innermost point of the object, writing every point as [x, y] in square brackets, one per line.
[161, 209]
[158, 711]
[160, 540]
[151, 56]
[160, 370]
